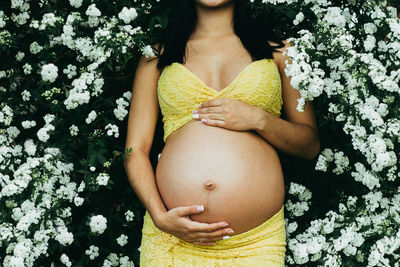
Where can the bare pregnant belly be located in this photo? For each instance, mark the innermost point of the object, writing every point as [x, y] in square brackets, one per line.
[237, 176]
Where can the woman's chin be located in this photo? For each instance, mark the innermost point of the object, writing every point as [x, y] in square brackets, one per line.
[214, 3]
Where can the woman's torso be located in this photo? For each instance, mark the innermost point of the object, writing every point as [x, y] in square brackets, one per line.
[236, 175]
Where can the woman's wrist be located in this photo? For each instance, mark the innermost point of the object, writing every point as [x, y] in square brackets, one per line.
[259, 119]
[158, 218]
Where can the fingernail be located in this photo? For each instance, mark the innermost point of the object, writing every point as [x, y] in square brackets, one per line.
[196, 116]
[230, 232]
[226, 237]
[195, 111]
[225, 224]
[203, 120]
[200, 208]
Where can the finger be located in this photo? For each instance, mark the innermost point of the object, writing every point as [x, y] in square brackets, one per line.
[213, 122]
[212, 103]
[215, 235]
[189, 210]
[217, 109]
[212, 116]
[207, 227]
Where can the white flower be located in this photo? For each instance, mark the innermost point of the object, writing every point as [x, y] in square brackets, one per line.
[291, 227]
[122, 240]
[102, 178]
[120, 112]
[6, 115]
[70, 71]
[48, 19]
[335, 17]
[127, 15]
[370, 28]
[369, 43]
[299, 18]
[64, 237]
[65, 260]
[78, 201]
[26, 95]
[129, 215]
[128, 95]
[112, 129]
[93, 11]
[30, 147]
[28, 124]
[73, 130]
[91, 117]
[147, 51]
[98, 224]
[49, 72]
[76, 3]
[42, 134]
[27, 70]
[19, 56]
[92, 252]
[35, 48]
[2, 19]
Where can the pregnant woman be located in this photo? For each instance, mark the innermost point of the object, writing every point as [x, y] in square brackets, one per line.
[216, 197]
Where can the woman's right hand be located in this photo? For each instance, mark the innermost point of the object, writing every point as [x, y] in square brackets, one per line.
[176, 222]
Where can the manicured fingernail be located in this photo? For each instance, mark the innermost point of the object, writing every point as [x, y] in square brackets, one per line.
[203, 120]
[200, 208]
[230, 232]
[226, 237]
[225, 224]
[195, 111]
[196, 116]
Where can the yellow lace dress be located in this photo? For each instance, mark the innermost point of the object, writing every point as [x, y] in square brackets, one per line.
[179, 93]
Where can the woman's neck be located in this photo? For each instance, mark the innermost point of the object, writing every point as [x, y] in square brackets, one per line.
[213, 21]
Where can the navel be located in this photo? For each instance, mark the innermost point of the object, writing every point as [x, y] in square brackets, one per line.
[210, 185]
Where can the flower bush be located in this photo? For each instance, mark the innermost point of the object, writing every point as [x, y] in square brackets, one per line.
[65, 87]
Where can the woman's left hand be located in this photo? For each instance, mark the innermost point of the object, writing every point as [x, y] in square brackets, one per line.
[229, 113]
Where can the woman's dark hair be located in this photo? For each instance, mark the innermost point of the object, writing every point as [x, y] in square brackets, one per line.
[182, 19]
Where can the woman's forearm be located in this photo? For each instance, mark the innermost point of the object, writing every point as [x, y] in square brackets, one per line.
[141, 177]
[292, 138]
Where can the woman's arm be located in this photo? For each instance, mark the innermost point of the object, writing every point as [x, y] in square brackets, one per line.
[298, 135]
[143, 115]
[299, 139]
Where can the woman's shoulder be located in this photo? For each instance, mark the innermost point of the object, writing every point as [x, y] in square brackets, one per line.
[279, 58]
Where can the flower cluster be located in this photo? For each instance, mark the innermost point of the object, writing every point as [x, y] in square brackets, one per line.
[64, 100]
[351, 65]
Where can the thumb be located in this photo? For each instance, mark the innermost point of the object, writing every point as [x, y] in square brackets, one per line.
[188, 210]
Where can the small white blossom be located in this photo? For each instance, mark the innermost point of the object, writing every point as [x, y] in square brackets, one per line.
[129, 215]
[147, 51]
[127, 14]
[76, 3]
[91, 117]
[98, 224]
[73, 130]
[102, 178]
[92, 252]
[122, 240]
[49, 72]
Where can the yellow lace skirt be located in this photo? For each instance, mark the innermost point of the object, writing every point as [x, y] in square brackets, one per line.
[264, 245]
